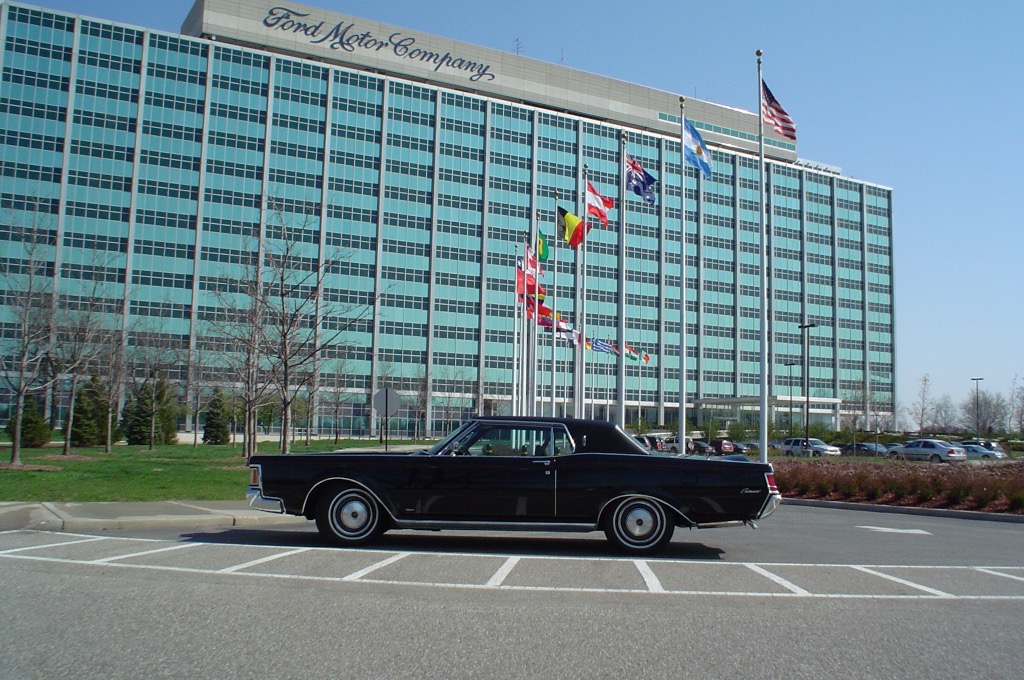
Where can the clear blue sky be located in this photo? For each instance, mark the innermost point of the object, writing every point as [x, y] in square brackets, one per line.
[924, 97]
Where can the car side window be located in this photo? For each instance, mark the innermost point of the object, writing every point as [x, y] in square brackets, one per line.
[511, 441]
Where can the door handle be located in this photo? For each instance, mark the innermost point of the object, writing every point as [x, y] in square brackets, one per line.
[541, 462]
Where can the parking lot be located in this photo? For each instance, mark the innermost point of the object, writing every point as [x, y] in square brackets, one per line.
[418, 565]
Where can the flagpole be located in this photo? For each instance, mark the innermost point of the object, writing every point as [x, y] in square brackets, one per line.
[523, 337]
[682, 276]
[514, 405]
[581, 362]
[535, 327]
[620, 365]
[762, 195]
[554, 316]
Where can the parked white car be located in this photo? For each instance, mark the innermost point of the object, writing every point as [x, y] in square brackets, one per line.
[798, 446]
[934, 450]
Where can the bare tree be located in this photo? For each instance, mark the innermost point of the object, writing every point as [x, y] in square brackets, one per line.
[984, 413]
[81, 330]
[922, 407]
[1016, 406]
[26, 346]
[944, 415]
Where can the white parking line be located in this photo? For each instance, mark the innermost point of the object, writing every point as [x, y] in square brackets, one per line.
[999, 573]
[262, 560]
[503, 572]
[356, 575]
[52, 545]
[144, 552]
[795, 589]
[652, 581]
[896, 579]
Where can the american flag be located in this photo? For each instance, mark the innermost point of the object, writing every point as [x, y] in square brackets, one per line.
[773, 113]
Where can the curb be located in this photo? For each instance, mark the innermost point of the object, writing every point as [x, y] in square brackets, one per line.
[908, 510]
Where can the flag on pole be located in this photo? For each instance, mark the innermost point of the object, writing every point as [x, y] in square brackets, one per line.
[774, 114]
[526, 281]
[636, 355]
[696, 151]
[598, 205]
[638, 180]
[572, 227]
[603, 346]
[542, 246]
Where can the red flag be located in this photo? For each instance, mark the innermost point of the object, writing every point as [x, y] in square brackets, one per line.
[598, 205]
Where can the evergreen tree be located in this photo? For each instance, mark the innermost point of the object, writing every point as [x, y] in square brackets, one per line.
[88, 427]
[216, 429]
[138, 414]
[35, 430]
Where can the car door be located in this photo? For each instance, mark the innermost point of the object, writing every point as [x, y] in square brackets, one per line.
[912, 451]
[501, 473]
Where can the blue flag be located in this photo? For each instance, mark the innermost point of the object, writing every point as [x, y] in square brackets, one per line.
[638, 180]
[696, 152]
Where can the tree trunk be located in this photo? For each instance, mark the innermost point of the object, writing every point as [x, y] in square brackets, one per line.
[109, 435]
[19, 409]
[71, 416]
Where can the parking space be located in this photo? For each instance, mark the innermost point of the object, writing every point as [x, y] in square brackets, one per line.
[521, 572]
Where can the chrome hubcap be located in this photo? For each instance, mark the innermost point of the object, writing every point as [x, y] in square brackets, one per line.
[639, 522]
[353, 514]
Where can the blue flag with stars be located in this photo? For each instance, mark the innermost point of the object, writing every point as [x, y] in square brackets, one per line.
[638, 180]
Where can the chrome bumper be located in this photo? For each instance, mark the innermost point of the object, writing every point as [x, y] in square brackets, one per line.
[770, 504]
[257, 501]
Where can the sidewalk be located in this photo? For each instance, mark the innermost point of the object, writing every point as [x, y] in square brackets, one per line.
[184, 515]
[159, 515]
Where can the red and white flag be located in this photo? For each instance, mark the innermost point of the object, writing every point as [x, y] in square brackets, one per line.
[774, 114]
[598, 205]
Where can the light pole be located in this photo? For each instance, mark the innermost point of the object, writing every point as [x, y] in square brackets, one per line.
[789, 378]
[807, 387]
[977, 410]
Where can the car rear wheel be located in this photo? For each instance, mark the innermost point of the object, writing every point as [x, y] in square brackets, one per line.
[935, 458]
[349, 516]
[638, 525]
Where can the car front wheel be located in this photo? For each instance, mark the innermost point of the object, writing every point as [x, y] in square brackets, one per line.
[349, 516]
[638, 526]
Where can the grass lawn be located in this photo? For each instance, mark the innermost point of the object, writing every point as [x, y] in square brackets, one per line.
[134, 473]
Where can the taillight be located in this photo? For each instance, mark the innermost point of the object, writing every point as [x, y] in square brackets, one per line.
[254, 475]
[770, 478]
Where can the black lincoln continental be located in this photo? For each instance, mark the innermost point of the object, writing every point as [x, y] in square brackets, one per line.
[521, 474]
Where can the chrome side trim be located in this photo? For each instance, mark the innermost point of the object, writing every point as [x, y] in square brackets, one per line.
[257, 501]
[716, 525]
[472, 525]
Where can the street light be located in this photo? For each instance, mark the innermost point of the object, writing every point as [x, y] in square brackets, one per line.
[807, 385]
[789, 378]
[977, 410]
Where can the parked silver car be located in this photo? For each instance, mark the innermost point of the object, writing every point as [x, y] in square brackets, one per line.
[977, 451]
[798, 446]
[934, 450]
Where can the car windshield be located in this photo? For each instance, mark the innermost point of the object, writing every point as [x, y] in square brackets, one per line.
[943, 444]
[816, 442]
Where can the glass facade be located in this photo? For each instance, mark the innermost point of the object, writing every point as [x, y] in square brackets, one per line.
[163, 168]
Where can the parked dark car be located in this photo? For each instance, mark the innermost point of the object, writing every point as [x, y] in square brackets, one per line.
[723, 446]
[503, 473]
[703, 448]
[863, 449]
